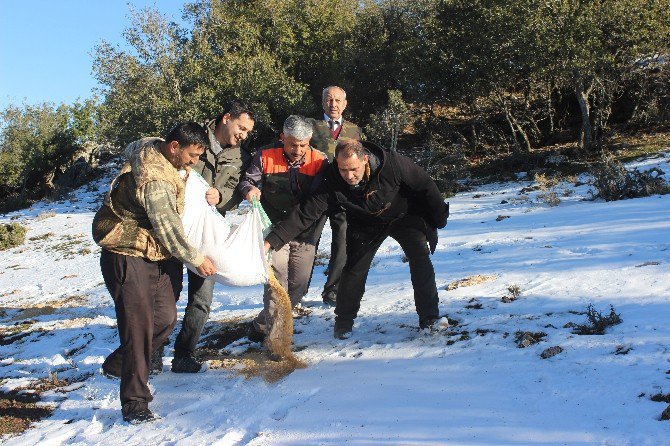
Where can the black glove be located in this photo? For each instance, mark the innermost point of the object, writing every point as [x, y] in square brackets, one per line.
[431, 235]
[442, 216]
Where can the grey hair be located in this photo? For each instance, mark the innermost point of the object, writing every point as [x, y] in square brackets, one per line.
[298, 127]
[324, 93]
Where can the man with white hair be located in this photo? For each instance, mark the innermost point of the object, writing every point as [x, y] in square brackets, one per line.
[281, 178]
[328, 131]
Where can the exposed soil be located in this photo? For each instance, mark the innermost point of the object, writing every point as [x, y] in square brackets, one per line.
[19, 408]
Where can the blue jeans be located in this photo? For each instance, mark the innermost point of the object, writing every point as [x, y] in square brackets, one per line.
[200, 293]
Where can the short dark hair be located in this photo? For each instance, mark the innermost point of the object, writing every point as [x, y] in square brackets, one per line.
[188, 133]
[349, 148]
[236, 108]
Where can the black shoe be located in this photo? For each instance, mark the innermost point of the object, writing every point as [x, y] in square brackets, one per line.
[330, 298]
[343, 329]
[138, 416]
[254, 334]
[111, 368]
[157, 361]
[185, 364]
[428, 322]
[108, 372]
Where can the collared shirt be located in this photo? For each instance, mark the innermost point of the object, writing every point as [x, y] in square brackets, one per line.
[338, 122]
[213, 142]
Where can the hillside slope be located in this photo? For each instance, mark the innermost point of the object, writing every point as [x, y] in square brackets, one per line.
[389, 383]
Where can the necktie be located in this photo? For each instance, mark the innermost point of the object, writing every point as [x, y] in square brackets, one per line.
[332, 124]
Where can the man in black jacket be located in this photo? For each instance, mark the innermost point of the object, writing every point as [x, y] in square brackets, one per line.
[383, 194]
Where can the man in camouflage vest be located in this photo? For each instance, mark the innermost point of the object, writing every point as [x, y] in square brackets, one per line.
[143, 244]
[328, 131]
[221, 165]
[281, 178]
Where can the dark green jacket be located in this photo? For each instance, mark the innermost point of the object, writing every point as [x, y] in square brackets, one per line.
[223, 170]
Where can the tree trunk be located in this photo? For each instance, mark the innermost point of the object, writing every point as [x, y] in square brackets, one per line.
[522, 132]
[586, 134]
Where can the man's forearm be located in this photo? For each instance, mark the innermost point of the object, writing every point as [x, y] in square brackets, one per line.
[159, 199]
[252, 177]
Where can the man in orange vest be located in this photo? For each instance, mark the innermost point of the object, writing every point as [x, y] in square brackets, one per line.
[281, 178]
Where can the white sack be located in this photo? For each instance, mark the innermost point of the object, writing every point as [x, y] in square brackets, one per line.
[238, 255]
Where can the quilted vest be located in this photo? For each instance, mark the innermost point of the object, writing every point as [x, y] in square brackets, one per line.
[122, 224]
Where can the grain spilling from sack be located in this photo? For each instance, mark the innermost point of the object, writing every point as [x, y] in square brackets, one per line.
[278, 340]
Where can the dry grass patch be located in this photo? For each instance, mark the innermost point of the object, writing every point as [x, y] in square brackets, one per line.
[470, 281]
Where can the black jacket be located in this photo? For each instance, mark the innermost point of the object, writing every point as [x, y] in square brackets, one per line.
[397, 187]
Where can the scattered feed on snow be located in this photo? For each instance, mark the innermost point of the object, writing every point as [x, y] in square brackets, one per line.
[299, 311]
[470, 281]
[253, 364]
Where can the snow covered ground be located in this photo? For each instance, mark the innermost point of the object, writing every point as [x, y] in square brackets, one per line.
[389, 383]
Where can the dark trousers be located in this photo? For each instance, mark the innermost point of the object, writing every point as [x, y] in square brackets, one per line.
[144, 295]
[338, 251]
[200, 294]
[362, 244]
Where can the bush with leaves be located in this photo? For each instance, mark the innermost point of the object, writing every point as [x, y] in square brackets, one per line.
[37, 143]
[11, 235]
[388, 124]
[614, 182]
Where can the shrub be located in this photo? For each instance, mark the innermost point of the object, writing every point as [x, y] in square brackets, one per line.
[514, 293]
[547, 186]
[614, 182]
[11, 235]
[597, 323]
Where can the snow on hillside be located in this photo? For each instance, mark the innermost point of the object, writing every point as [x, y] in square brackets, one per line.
[389, 383]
